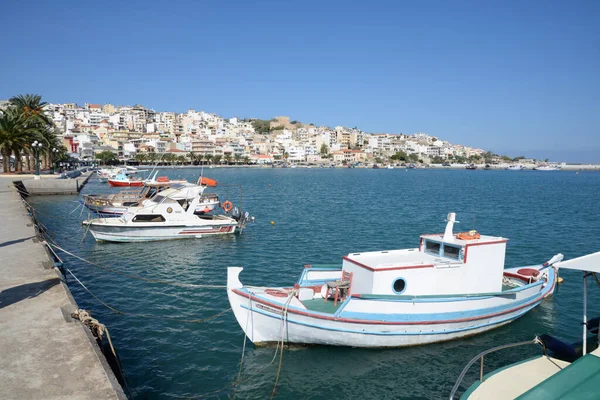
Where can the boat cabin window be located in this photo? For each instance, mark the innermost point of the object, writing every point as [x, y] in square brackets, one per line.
[399, 286]
[451, 252]
[148, 218]
[432, 247]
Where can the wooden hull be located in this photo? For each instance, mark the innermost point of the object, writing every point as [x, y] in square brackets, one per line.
[392, 321]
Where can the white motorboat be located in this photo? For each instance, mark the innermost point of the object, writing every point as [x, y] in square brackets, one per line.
[561, 371]
[169, 214]
[451, 286]
[117, 204]
[515, 167]
[546, 167]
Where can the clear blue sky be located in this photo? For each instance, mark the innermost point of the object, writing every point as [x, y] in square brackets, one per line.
[516, 77]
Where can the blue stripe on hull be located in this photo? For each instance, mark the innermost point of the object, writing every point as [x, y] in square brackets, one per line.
[288, 320]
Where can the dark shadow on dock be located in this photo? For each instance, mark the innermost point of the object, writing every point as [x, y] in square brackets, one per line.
[29, 290]
[8, 243]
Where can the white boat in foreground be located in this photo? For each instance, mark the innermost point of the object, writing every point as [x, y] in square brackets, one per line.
[170, 214]
[562, 371]
[449, 287]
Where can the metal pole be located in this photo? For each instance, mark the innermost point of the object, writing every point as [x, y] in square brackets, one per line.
[585, 275]
[37, 161]
[481, 370]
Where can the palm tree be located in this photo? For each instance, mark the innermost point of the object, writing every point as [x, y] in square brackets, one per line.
[217, 159]
[228, 158]
[140, 158]
[199, 157]
[191, 156]
[15, 136]
[32, 106]
[237, 158]
[208, 157]
[181, 159]
[246, 160]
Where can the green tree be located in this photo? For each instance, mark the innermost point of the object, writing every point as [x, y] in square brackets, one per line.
[208, 158]
[140, 158]
[199, 157]
[400, 156]
[437, 160]
[15, 137]
[246, 160]
[107, 157]
[324, 149]
[217, 159]
[228, 158]
[413, 157]
[192, 157]
[181, 159]
[237, 158]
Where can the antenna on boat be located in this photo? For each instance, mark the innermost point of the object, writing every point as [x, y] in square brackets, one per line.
[448, 235]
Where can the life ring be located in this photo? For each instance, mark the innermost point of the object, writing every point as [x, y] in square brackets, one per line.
[276, 292]
[227, 206]
[471, 235]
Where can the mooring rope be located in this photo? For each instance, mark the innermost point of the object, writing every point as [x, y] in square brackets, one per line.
[291, 295]
[149, 316]
[132, 276]
[99, 330]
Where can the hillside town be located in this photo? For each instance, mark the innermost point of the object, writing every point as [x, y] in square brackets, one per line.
[139, 134]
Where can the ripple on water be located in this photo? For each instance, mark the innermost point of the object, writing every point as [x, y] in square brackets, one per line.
[319, 215]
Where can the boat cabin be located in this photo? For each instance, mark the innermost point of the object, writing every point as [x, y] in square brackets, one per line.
[464, 263]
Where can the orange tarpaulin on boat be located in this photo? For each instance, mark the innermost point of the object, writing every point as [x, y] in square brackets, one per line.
[208, 182]
[162, 179]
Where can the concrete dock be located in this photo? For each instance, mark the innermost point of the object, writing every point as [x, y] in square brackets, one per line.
[44, 353]
[50, 184]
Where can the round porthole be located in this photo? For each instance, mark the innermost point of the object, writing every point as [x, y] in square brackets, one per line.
[399, 285]
[169, 210]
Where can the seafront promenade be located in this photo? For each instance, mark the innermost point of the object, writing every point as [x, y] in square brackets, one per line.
[45, 354]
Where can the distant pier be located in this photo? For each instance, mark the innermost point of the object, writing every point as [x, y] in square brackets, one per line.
[45, 352]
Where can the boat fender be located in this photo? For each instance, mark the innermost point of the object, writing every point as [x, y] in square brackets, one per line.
[227, 206]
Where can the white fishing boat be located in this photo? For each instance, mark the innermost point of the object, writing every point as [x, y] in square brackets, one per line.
[118, 203]
[451, 286]
[515, 167]
[546, 167]
[169, 214]
[561, 371]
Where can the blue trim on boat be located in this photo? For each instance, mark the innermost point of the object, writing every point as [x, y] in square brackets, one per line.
[288, 320]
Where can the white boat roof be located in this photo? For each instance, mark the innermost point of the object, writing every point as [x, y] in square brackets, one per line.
[484, 239]
[381, 260]
[589, 262]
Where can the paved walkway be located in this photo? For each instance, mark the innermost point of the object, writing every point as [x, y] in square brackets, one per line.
[44, 354]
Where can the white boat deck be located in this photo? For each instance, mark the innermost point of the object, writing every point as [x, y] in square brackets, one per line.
[517, 379]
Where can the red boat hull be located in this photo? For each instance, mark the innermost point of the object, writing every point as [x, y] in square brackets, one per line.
[112, 182]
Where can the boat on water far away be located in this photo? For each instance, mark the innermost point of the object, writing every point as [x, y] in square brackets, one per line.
[547, 167]
[472, 166]
[451, 286]
[515, 167]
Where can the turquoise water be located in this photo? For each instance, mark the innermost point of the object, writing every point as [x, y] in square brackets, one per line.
[320, 215]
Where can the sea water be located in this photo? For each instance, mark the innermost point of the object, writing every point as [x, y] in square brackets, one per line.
[318, 216]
